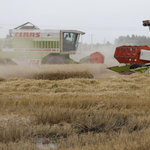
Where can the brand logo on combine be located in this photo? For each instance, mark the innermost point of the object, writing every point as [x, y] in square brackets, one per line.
[26, 34]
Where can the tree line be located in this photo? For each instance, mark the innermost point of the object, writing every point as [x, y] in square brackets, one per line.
[108, 48]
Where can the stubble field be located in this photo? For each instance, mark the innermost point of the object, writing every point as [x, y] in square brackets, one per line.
[73, 107]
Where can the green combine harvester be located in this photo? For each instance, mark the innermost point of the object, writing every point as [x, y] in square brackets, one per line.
[29, 45]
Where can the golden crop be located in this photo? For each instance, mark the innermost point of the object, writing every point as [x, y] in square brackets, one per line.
[76, 106]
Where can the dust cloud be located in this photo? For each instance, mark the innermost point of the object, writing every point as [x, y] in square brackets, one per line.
[97, 70]
[32, 72]
[107, 51]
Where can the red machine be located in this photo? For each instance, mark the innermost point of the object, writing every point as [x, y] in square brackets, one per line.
[131, 54]
[96, 58]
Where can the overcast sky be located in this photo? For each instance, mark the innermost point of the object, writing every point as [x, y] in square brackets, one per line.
[104, 19]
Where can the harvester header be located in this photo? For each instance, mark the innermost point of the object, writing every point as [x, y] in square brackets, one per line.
[136, 58]
[131, 54]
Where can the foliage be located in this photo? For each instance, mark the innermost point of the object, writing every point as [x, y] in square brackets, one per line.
[133, 40]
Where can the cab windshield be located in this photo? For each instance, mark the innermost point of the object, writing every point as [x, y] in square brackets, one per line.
[70, 41]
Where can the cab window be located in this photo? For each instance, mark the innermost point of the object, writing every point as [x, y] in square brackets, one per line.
[70, 41]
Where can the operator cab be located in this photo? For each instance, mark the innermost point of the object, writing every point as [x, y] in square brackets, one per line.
[70, 39]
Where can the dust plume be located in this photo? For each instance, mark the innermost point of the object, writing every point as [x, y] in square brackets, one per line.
[53, 72]
[107, 50]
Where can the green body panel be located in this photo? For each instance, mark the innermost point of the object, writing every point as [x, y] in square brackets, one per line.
[36, 43]
[29, 43]
[126, 68]
[139, 70]
[23, 43]
[120, 68]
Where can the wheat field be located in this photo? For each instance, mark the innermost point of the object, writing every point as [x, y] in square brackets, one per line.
[75, 107]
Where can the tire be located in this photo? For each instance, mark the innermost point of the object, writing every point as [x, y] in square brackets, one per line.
[55, 60]
[134, 66]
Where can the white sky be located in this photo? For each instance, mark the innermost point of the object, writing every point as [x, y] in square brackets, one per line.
[105, 19]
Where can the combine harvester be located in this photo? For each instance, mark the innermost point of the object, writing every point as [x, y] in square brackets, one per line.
[136, 58]
[29, 45]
